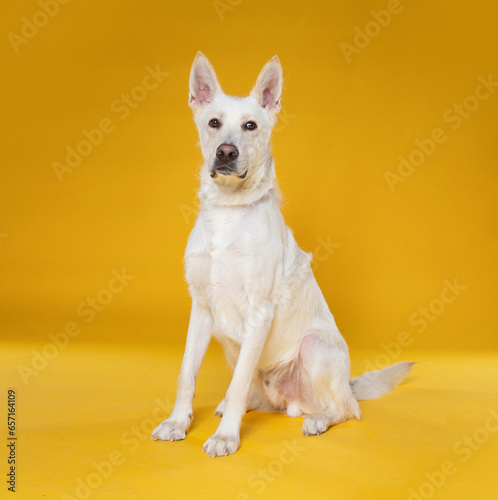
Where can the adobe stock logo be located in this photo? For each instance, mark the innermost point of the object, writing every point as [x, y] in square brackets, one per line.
[379, 21]
[122, 106]
[131, 439]
[419, 320]
[463, 449]
[259, 480]
[223, 6]
[30, 27]
[455, 117]
[88, 309]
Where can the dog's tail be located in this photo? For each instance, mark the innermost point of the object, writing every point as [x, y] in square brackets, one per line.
[374, 384]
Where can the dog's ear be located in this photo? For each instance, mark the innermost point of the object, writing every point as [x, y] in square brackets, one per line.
[268, 88]
[203, 83]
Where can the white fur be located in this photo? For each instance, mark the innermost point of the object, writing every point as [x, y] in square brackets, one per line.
[252, 286]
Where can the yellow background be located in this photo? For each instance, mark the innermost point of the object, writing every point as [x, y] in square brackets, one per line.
[130, 204]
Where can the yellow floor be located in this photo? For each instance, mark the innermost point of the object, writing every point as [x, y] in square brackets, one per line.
[84, 422]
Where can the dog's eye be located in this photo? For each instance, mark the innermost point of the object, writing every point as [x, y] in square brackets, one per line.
[250, 126]
[214, 123]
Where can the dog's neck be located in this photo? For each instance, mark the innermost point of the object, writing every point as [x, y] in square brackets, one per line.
[239, 193]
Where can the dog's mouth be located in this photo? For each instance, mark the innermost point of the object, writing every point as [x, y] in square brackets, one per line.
[227, 172]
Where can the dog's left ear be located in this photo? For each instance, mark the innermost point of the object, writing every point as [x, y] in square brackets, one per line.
[268, 88]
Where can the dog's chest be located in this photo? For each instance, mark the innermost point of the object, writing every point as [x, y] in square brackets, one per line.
[224, 257]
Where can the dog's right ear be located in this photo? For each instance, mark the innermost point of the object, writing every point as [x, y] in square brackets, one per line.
[204, 85]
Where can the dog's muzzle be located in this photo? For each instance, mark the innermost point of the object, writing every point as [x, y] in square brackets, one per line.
[226, 161]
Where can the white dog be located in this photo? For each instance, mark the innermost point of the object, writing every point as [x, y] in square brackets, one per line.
[252, 287]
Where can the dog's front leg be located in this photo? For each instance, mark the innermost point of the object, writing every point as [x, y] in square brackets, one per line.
[199, 334]
[226, 439]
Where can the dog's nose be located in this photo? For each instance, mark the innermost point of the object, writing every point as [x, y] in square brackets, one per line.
[226, 153]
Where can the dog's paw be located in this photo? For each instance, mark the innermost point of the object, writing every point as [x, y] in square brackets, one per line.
[170, 430]
[220, 409]
[315, 424]
[221, 446]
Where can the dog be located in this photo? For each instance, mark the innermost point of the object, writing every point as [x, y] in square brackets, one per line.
[252, 287]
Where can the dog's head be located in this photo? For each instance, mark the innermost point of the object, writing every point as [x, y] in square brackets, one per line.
[234, 131]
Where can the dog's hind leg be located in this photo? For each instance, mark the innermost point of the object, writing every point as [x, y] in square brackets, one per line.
[325, 359]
